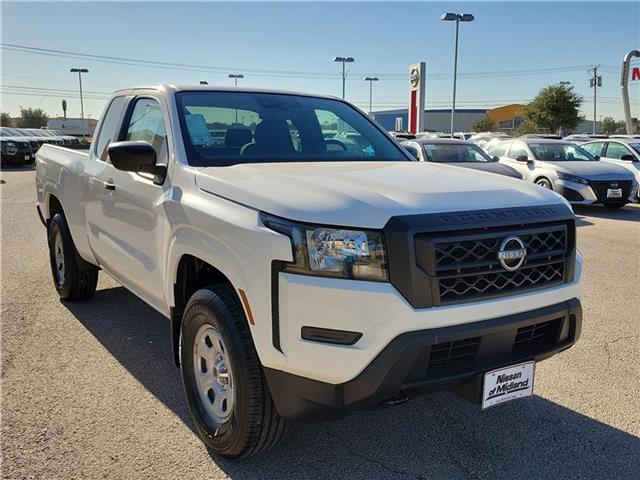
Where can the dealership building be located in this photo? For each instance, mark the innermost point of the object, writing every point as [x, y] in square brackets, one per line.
[78, 127]
[507, 117]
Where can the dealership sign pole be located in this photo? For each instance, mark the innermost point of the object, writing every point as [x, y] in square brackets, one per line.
[417, 82]
[624, 83]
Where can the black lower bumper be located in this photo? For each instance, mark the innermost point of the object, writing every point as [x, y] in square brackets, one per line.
[449, 358]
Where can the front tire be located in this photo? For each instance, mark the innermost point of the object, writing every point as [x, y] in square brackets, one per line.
[71, 281]
[544, 183]
[222, 377]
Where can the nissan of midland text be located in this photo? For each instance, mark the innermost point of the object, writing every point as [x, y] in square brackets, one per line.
[306, 274]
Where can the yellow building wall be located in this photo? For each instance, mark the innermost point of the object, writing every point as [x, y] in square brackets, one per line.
[506, 112]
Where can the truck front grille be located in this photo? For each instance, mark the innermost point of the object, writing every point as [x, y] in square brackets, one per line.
[466, 267]
[460, 288]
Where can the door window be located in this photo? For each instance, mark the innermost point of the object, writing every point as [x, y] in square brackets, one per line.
[147, 124]
[594, 148]
[617, 150]
[108, 128]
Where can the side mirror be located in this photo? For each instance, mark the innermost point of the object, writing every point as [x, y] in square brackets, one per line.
[597, 157]
[629, 158]
[495, 158]
[412, 150]
[138, 157]
[522, 158]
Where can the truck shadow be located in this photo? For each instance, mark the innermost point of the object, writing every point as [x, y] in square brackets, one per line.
[438, 436]
[628, 213]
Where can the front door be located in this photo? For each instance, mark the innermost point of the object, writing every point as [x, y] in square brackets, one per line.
[128, 221]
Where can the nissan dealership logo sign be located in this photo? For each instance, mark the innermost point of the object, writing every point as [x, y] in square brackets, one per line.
[414, 77]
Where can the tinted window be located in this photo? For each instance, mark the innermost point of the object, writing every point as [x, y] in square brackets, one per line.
[223, 128]
[617, 150]
[454, 153]
[594, 148]
[560, 152]
[147, 124]
[517, 150]
[108, 128]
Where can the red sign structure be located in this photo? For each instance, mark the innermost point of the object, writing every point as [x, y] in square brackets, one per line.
[417, 82]
[635, 73]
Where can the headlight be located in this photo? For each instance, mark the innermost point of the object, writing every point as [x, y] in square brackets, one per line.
[572, 178]
[333, 252]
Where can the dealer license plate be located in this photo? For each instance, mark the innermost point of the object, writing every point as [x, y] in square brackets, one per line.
[508, 383]
[614, 193]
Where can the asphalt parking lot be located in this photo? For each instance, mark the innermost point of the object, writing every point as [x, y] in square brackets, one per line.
[89, 389]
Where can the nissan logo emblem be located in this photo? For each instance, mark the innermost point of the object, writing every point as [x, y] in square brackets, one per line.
[414, 77]
[512, 253]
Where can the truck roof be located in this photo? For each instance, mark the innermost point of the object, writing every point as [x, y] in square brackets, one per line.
[220, 88]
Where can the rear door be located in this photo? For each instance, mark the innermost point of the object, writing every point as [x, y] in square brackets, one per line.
[613, 153]
[128, 218]
[517, 149]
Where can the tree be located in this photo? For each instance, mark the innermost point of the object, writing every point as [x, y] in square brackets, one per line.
[485, 124]
[527, 126]
[5, 120]
[555, 107]
[33, 118]
[608, 125]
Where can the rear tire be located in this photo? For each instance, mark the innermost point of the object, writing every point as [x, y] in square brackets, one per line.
[218, 361]
[71, 281]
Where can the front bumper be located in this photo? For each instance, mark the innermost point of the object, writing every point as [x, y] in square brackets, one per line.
[581, 194]
[447, 358]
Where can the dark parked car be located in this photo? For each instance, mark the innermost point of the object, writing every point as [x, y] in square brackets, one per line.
[457, 152]
[15, 149]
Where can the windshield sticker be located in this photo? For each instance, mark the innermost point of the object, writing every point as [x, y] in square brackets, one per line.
[198, 130]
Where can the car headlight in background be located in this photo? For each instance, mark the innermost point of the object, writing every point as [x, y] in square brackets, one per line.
[332, 252]
[572, 178]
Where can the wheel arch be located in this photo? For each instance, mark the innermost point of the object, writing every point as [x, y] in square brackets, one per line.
[544, 177]
[190, 273]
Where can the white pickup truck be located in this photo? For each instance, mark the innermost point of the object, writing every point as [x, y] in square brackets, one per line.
[306, 274]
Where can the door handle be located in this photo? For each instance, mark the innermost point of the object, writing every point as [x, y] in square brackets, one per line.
[109, 186]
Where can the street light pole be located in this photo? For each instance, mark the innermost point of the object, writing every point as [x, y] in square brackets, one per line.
[344, 60]
[457, 17]
[80, 71]
[235, 77]
[371, 80]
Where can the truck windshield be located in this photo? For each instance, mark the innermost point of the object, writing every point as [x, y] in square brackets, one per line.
[225, 128]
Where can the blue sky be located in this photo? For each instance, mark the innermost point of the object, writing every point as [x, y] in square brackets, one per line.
[261, 40]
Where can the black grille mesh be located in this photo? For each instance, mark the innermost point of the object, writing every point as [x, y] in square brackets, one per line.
[485, 284]
[467, 266]
[453, 254]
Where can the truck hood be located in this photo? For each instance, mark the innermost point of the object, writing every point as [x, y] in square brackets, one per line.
[366, 194]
